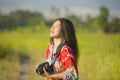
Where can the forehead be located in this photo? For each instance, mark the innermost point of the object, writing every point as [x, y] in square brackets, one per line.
[57, 22]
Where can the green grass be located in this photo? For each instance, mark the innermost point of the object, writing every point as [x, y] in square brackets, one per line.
[99, 54]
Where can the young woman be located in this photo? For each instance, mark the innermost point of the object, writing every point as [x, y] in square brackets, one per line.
[62, 31]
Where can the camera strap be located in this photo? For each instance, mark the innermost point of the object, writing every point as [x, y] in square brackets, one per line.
[58, 51]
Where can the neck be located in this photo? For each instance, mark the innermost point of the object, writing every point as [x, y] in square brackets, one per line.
[58, 41]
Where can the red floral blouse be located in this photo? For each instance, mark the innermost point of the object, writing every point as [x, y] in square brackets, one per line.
[67, 62]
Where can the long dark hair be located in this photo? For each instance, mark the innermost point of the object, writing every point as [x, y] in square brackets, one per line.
[68, 32]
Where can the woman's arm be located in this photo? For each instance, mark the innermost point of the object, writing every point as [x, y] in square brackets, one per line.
[57, 75]
[69, 74]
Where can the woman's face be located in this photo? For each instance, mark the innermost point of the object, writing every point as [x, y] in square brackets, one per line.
[55, 31]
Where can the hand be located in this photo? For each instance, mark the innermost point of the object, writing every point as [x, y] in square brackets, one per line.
[58, 66]
[45, 72]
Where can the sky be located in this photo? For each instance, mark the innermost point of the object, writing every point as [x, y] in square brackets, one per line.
[78, 7]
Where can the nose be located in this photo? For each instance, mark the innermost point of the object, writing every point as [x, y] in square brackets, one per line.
[52, 28]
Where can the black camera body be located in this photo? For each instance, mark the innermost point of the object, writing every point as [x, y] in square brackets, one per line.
[47, 66]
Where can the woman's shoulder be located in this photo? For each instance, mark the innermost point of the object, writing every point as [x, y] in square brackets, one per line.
[49, 47]
[67, 53]
[66, 50]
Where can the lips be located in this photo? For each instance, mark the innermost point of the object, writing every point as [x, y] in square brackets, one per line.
[51, 31]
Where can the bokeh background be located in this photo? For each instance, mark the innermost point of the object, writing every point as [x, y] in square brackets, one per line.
[24, 36]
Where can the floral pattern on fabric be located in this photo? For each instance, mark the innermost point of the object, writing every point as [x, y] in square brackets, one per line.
[70, 74]
[68, 61]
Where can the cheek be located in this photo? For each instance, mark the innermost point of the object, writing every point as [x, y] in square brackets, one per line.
[56, 34]
[59, 32]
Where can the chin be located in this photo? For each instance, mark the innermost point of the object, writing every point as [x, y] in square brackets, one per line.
[54, 36]
[51, 36]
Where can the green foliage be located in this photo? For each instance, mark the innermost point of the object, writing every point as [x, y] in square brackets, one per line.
[100, 56]
[20, 18]
[5, 52]
[101, 22]
[114, 25]
[76, 20]
[104, 12]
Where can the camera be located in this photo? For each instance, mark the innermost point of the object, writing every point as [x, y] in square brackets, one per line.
[47, 66]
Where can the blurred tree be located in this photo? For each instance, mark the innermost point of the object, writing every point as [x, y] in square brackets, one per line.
[88, 23]
[101, 22]
[26, 17]
[76, 20]
[0, 20]
[114, 25]
[89, 19]
[20, 18]
[4, 22]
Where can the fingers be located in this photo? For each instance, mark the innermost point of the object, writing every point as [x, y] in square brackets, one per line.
[45, 72]
[58, 66]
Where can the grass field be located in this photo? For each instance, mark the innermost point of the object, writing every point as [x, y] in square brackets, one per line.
[99, 54]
